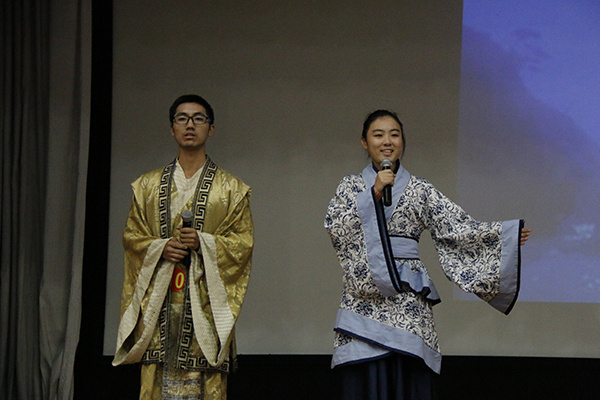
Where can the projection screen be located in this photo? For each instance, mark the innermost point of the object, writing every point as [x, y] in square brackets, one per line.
[291, 82]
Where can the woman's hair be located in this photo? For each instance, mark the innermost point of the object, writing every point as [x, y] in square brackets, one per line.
[191, 98]
[380, 114]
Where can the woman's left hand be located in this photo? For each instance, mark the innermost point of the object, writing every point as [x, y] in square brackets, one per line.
[525, 235]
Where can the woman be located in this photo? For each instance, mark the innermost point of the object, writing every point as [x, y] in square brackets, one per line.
[386, 346]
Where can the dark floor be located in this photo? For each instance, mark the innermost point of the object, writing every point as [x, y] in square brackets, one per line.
[308, 377]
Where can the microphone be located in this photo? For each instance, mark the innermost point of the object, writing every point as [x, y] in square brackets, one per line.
[387, 190]
[188, 219]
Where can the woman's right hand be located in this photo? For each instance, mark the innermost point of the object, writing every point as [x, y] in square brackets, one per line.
[384, 177]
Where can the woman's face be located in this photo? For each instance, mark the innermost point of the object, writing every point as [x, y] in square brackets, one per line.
[384, 140]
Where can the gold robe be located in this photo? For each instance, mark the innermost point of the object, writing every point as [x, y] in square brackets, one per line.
[216, 279]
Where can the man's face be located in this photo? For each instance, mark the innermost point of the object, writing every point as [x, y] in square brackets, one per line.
[189, 135]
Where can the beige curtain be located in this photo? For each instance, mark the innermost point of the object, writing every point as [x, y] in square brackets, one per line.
[45, 89]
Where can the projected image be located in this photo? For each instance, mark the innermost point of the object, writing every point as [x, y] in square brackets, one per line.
[529, 142]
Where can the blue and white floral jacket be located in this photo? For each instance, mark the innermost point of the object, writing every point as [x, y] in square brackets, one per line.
[387, 298]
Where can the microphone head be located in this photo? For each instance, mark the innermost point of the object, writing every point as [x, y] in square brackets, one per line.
[386, 164]
[187, 217]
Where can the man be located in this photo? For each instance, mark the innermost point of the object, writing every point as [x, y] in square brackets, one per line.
[184, 286]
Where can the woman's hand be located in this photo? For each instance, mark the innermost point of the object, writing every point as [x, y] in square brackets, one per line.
[384, 177]
[525, 235]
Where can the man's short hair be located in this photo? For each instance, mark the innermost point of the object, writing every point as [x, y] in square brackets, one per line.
[191, 98]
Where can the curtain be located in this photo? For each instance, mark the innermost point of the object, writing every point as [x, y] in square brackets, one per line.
[45, 96]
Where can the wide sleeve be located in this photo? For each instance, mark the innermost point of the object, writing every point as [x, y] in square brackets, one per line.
[144, 272]
[224, 264]
[141, 245]
[341, 219]
[482, 258]
[234, 241]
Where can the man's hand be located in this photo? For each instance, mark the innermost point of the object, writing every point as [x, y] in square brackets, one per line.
[174, 250]
[189, 237]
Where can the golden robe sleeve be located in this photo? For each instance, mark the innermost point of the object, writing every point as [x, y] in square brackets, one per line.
[146, 274]
[224, 269]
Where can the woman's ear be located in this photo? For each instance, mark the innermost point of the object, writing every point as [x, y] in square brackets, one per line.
[363, 141]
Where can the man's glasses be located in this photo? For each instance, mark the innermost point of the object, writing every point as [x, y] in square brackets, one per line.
[197, 119]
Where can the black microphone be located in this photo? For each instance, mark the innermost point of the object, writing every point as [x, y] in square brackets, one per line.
[387, 190]
[188, 219]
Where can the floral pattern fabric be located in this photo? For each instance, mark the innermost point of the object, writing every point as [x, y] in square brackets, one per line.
[470, 253]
